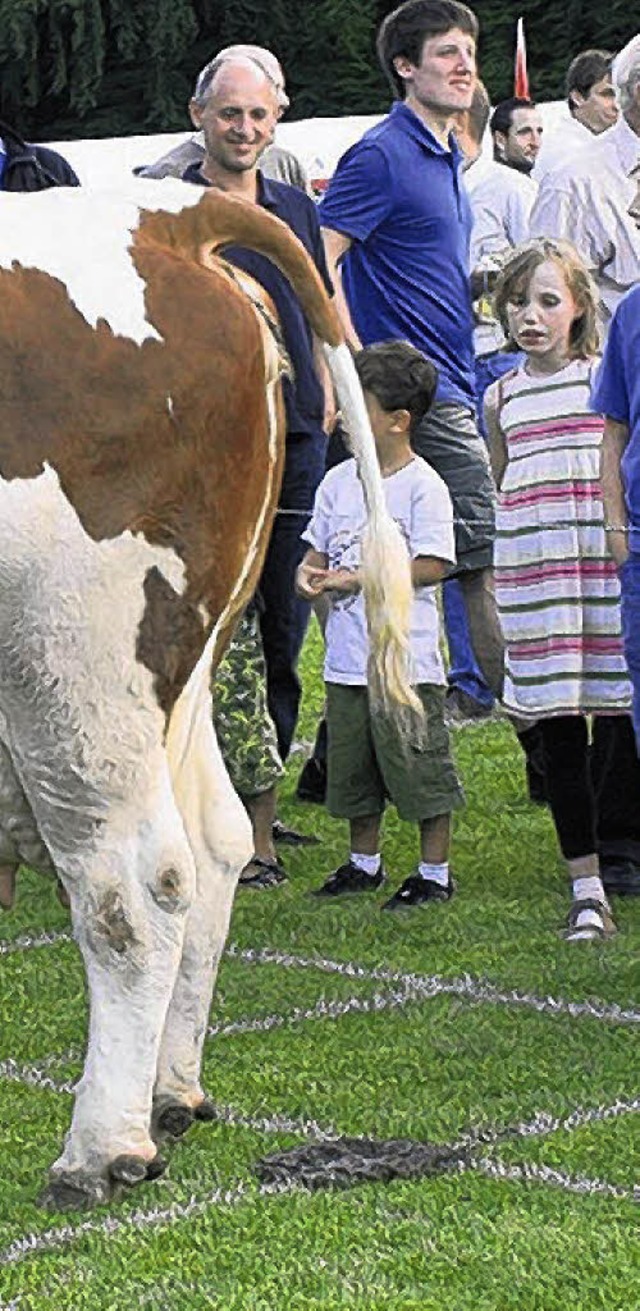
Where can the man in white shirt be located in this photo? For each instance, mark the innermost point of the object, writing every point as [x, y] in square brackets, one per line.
[591, 109]
[592, 200]
[502, 194]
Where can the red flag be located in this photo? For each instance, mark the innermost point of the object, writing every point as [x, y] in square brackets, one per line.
[521, 80]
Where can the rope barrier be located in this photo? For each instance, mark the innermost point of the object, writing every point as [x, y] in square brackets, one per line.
[478, 522]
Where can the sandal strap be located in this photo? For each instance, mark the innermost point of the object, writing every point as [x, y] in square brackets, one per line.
[598, 921]
[587, 903]
[268, 872]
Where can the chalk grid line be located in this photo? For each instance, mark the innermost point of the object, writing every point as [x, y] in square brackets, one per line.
[541, 1124]
[409, 988]
[426, 986]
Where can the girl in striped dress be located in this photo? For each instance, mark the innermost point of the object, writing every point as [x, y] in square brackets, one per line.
[556, 586]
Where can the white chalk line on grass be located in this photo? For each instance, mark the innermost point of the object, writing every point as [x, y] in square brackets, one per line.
[140, 1220]
[34, 1077]
[531, 1173]
[542, 1124]
[435, 985]
[423, 986]
[50, 1239]
[26, 941]
[37, 1075]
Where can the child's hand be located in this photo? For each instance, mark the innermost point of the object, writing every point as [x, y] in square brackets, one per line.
[343, 580]
[311, 581]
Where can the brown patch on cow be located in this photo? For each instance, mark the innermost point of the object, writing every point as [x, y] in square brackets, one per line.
[170, 637]
[112, 923]
[168, 890]
[189, 475]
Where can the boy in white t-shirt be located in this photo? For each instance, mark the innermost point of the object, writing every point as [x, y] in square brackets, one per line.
[368, 761]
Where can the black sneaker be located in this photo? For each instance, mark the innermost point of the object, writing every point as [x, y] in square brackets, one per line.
[620, 878]
[291, 837]
[416, 890]
[312, 783]
[348, 878]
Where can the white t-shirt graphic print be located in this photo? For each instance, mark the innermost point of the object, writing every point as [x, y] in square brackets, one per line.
[419, 502]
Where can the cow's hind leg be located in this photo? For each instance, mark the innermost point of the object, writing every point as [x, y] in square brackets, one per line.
[219, 834]
[129, 912]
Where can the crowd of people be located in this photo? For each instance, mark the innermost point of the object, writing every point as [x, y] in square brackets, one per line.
[477, 295]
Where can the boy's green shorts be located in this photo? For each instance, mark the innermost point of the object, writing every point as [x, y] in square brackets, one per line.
[370, 761]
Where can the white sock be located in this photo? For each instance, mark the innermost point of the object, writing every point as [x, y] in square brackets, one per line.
[588, 889]
[437, 873]
[369, 864]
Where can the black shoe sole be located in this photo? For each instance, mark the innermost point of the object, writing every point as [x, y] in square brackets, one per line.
[346, 891]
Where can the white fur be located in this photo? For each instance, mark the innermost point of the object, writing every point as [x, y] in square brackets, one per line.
[88, 782]
[83, 238]
[84, 734]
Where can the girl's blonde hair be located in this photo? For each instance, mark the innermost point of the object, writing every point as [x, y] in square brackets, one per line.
[584, 337]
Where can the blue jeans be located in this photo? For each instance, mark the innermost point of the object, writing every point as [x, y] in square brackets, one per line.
[464, 672]
[630, 591]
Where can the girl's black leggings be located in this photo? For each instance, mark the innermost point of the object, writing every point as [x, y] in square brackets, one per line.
[582, 787]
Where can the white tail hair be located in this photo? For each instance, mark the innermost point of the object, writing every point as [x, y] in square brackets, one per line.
[385, 565]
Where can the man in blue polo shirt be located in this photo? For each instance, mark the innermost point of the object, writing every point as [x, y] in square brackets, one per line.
[396, 223]
[616, 394]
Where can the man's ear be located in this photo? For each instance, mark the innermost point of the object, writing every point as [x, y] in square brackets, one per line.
[500, 143]
[403, 67]
[195, 114]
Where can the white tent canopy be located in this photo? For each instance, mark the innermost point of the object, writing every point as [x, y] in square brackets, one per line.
[317, 142]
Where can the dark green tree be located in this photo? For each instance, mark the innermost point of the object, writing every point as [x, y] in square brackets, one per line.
[101, 67]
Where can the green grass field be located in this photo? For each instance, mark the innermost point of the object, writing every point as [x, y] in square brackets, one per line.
[471, 1021]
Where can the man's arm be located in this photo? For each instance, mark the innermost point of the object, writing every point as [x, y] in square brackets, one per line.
[616, 436]
[336, 245]
[330, 411]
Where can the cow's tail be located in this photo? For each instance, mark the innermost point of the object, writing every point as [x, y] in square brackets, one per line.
[386, 568]
[220, 220]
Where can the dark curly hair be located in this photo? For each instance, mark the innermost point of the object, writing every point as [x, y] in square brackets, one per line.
[399, 376]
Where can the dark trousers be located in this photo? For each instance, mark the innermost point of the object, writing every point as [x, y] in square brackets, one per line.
[284, 617]
[593, 790]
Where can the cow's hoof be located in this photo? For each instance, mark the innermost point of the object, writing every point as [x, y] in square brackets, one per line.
[74, 1193]
[205, 1110]
[171, 1119]
[129, 1170]
[156, 1167]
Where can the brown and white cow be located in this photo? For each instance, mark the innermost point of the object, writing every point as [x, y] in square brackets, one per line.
[141, 444]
